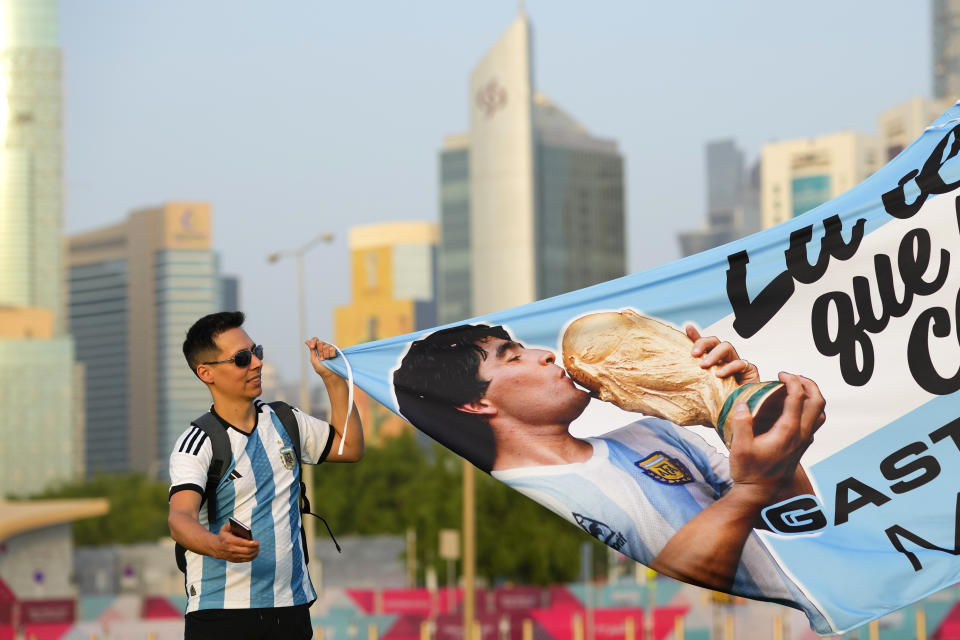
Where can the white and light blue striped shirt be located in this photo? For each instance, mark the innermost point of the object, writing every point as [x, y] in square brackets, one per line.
[260, 491]
[642, 484]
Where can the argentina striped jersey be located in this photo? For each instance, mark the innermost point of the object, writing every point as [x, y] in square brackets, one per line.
[259, 490]
[642, 484]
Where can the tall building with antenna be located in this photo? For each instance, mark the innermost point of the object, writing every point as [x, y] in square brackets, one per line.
[531, 204]
[38, 389]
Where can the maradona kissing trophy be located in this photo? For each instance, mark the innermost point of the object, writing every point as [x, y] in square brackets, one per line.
[643, 365]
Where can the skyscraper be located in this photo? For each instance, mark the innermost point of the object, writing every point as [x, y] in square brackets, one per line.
[37, 433]
[531, 204]
[945, 15]
[733, 195]
[135, 289]
[31, 209]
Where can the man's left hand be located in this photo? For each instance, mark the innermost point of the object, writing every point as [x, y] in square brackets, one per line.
[712, 352]
[320, 351]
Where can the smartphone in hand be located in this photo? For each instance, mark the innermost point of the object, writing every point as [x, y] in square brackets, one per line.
[239, 529]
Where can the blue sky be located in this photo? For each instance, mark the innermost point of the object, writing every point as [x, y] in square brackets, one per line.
[293, 118]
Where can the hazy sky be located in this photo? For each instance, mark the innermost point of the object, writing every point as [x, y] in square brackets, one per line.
[293, 118]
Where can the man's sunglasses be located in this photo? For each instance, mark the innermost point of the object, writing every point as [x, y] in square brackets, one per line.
[243, 357]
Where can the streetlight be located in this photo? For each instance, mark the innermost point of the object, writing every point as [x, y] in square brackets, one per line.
[298, 254]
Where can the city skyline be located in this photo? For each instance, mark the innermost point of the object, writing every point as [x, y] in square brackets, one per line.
[316, 119]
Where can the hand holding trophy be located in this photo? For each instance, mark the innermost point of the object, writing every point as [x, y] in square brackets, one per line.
[643, 365]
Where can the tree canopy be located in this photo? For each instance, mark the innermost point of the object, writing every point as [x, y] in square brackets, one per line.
[401, 484]
[138, 509]
[398, 485]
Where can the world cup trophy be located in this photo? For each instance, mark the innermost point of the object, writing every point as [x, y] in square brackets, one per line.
[643, 365]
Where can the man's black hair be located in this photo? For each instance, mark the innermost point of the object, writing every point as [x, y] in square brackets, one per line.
[199, 343]
[440, 373]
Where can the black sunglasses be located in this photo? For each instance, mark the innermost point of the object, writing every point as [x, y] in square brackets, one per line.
[243, 357]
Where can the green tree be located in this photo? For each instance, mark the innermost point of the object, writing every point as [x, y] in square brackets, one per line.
[400, 485]
[138, 508]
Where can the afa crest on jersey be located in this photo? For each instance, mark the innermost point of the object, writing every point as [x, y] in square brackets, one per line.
[288, 458]
[665, 469]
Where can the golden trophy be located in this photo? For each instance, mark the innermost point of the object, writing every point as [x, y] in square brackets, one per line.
[643, 365]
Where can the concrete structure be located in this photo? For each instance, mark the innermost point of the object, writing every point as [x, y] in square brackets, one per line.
[145, 568]
[945, 18]
[37, 446]
[733, 199]
[898, 126]
[135, 288]
[801, 174]
[36, 544]
[531, 204]
[393, 278]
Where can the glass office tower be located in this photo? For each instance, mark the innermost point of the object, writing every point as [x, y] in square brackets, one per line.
[38, 431]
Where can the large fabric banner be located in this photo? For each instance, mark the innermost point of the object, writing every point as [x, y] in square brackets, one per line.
[808, 455]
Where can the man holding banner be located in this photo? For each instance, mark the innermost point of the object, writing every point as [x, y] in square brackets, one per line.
[658, 493]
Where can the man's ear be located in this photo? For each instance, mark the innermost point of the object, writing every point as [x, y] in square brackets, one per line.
[481, 407]
[205, 373]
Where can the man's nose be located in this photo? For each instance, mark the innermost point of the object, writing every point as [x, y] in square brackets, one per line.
[547, 357]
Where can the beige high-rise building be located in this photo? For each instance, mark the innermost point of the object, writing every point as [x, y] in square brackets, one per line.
[135, 289]
[393, 292]
[898, 126]
[798, 175]
[501, 169]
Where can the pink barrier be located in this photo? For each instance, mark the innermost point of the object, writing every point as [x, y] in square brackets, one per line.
[48, 611]
[155, 607]
[950, 627]
[49, 631]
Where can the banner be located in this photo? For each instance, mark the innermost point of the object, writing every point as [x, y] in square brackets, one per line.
[837, 493]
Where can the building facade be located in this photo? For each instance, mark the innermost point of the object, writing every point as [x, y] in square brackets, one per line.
[900, 125]
[37, 371]
[135, 289]
[531, 204]
[801, 174]
[393, 292]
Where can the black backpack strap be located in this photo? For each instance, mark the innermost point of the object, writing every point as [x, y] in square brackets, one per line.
[289, 421]
[221, 459]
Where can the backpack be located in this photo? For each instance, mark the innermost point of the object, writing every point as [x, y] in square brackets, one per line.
[223, 456]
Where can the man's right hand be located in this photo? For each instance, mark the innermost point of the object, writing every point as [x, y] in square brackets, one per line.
[235, 549]
[761, 466]
[765, 468]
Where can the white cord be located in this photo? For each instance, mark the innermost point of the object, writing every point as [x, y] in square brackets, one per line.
[343, 436]
[934, 127]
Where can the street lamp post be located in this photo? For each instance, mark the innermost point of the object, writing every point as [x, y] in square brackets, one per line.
[304, 401]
